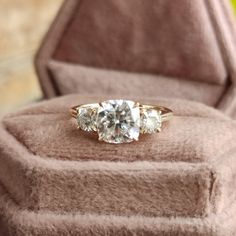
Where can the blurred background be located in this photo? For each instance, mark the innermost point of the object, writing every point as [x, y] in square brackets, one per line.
[23, 23]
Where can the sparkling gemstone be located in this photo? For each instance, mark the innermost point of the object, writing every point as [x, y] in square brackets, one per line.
[150, 121]
[118, 121]
[86, 118]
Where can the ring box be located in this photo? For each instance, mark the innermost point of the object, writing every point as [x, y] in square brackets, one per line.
[54, 173]
[58, 181]
[170, 49]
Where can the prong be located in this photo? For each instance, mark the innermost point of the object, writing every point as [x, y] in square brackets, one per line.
[73, 112]
[141, 110]
[159, 129]
[99, 138]
[95, 110]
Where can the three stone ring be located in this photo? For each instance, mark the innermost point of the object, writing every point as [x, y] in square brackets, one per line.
[120, 121]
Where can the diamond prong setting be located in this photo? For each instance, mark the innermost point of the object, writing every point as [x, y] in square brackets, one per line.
[119, 121]
[86, 118]
[150, 121]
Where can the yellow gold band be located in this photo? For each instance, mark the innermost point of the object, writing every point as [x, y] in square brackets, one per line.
[166, 113]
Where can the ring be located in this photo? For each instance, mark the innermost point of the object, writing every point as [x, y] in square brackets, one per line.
[120, 121]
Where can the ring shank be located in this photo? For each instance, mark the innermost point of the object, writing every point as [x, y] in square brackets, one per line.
[74, 110]
[166, 113]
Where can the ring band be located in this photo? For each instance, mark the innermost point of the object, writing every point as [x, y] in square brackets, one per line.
[120, 121]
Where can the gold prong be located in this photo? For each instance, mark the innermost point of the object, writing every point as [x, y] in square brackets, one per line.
[159, 129]
[73, 112]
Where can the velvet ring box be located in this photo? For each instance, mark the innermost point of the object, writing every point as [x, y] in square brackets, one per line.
[57, 181]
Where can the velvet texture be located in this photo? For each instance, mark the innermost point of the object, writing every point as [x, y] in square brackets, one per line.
[47, 165]
[110, 82]
[15, 221]
[182, 49]
[55, 180]
[176, 46]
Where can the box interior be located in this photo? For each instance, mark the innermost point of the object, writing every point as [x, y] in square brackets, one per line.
[164, 48]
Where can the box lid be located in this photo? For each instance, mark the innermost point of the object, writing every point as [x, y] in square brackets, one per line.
[181, 49]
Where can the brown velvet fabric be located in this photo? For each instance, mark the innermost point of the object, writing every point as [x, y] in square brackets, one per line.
[194, 44]
[22, 222]
[47, 164]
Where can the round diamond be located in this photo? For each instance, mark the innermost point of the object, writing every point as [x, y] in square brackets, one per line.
[150, 121]
[118, 121]
[86, 118]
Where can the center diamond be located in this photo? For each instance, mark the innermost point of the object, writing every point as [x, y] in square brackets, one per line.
[118, 121]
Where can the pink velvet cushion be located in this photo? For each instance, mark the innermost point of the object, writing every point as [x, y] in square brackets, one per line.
[15, 221]
[187, 170]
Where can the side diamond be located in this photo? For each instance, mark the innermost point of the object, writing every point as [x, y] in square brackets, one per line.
[86, 118]
[150, 121]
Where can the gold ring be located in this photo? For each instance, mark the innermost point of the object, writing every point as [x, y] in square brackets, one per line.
[120, 121]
